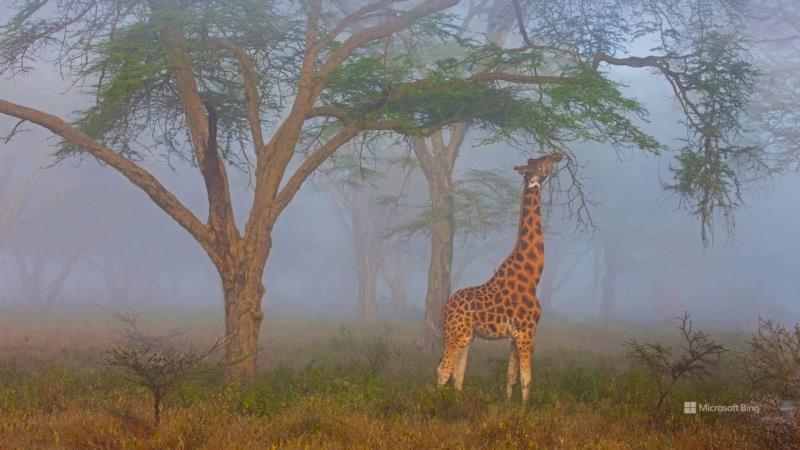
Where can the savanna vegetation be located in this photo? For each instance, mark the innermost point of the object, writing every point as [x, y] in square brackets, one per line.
[348, 385]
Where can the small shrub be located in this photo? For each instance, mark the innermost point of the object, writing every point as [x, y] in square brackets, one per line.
[772, 368]
[155, 361]
[666, 366]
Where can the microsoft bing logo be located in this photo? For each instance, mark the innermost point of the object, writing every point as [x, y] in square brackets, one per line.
[690, 407]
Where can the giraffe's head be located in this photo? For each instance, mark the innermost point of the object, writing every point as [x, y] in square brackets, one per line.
[538, 169]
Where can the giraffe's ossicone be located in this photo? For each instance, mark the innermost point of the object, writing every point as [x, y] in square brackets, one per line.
[506, 306]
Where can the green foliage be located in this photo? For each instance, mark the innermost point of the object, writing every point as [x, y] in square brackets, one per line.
[354, 169]
[430, 76]
[485, 202]
[592, 108]
[772, 361]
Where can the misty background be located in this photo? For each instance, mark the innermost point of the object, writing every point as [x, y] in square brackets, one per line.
[86, 226]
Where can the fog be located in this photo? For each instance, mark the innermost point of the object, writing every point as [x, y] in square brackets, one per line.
[123, 252]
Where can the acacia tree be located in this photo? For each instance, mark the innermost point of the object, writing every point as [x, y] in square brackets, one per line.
[366, 215]
[201, 79]
[128, 275]
[44, 257]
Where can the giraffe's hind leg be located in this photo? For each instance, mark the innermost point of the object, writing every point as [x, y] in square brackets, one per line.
[513, 370]
[461, 367]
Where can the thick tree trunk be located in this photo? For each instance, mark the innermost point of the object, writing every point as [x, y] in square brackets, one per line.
[243, 318]
[439, 271]
[241, 268]
[437, 164]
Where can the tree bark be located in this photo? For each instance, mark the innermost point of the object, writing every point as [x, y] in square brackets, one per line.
[243, 292]
[437, 161]
[439, 271]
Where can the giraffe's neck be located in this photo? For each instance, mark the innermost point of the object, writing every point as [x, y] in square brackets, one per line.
[530, 219]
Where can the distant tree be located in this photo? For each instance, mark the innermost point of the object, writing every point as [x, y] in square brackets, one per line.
[366, 215]
[437, 157]
[11, 205]
[393, 271]
[44, 259]
[44, 270]
[564, 255]
[128, 274]
[486, 202]
[774, 28]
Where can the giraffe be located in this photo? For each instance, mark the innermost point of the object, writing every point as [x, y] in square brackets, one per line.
[506, 306]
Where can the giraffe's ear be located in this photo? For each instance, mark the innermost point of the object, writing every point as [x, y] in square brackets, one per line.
[523, 170]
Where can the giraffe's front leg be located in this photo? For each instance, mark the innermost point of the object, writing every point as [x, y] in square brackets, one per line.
[461, 367]
[513, 370]
[452, 350]
[524, 345]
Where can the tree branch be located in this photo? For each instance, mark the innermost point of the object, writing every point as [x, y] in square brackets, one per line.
[520, 79]
[380, 31]
[311, 163]
[358, 16]
[330, 111]
[661, 64]
[212, 167]
[251, 97]
[137, 175]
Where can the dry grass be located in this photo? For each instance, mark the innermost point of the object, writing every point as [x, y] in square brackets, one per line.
[325, 385]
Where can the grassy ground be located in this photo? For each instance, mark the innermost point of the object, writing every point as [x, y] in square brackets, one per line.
[327, 384]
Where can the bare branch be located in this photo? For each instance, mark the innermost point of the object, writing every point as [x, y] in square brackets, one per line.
[661, 64]
[311, 163]
[137, 175]
[380, 31]
[357, 16]
[252, 98]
